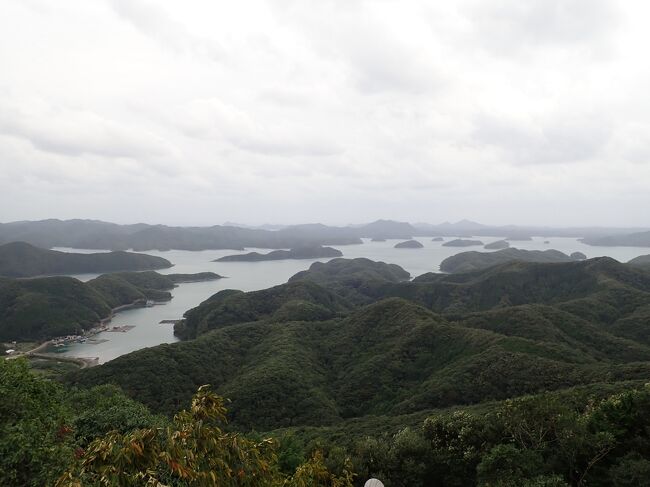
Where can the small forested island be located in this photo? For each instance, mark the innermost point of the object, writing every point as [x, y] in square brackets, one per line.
[317, 252]
[409, 244]
[498, 245]
[459, 242]
[473, 261]
[638, 239]
[196, 277]
[20, 259]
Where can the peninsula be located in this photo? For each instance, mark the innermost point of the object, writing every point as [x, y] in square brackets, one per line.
[20, 259]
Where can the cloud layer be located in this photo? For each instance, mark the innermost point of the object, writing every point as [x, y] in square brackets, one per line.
[334, 111]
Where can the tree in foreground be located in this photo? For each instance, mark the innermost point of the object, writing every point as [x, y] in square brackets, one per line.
[35, 433]
[193, 451]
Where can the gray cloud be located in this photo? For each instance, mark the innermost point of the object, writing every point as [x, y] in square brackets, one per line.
[510, 25]
[374, 54]
[560, 140]
[381, 64]
[153, 22]
[78, 132]
[337, 110]
[213, 119]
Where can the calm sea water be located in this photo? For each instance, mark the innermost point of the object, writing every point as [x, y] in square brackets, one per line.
[250, 276]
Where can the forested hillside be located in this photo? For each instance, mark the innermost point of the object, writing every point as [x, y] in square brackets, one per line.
[20, 259]
[42, 308]
[368, 343]
[475, 261]
[524, 374]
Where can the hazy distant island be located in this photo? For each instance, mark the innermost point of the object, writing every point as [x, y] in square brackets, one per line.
[519, 238]
[459, 242]
[409, 244]
[189, 278]
[498, 245]
[297, 253]
[377, 239]
[474, 261]
[20, 259]
[386, 229]
[437, 239]
[578, 256]
[93, 234]
[639, 239]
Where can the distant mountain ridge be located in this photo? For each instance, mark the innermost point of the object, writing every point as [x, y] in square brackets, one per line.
[20, 259]
[92, 234]
[639, 239]
[89, 234]
[467, 228]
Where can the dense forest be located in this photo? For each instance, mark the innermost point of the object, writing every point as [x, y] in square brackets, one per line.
[474, 261]
[421, 379]
[54, 435]
[43, 308]
[20, 259]
[521, 374]
[98, 437]
[314, 354]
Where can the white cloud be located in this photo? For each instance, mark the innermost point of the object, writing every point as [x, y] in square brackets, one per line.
[155, 23]
[560, 139]
[507, 26]
[212, 118]
[76, 132]
[332, 110]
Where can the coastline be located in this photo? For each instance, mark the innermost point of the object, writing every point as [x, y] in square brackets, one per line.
[99, 327]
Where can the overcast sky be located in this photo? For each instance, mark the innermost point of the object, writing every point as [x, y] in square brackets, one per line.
[339, 111]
